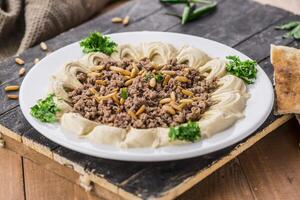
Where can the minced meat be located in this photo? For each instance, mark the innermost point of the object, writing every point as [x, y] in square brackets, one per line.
[100, 98]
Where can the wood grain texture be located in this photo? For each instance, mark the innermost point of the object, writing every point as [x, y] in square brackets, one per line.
[227, 183]
[11, 178]
[159, 180]
[272, 166]
[43, 185]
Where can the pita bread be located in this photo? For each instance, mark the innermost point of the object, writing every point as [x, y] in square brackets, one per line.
[286, 63]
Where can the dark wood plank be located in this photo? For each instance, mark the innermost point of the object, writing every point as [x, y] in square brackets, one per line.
[241, 28]
[160, 177]
[226, 13]
[162, 22]
[15, 121]
[258, 46]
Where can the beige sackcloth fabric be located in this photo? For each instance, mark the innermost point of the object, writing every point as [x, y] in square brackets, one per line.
[24, 23]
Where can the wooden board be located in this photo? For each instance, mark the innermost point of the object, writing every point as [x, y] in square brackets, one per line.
[11, 180]
[245, 25]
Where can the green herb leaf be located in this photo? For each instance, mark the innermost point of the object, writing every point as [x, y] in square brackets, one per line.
[148, 76]
[189, 132]
[124, 93]
[159, 77]
[45, 110]
[295, 33]
[288, 26]
[95, 42]
[246, 70]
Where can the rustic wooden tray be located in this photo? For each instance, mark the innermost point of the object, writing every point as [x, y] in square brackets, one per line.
[242, 24]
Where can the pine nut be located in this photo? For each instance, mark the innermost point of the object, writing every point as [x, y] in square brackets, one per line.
[126, 20]
[101, 82]
[186, 101]
[152, 82]
[12, 96]
[182, 79]
[187, 92]
[116, 100]
[173, 96]
[120, 70]
[22, 71]
[127, 78]
[134, 72]
[36, 60]
[43, 46]
[19, 61]
[166, 80]
[175, 106]
[140, 110]
[122, 101]
[169, 109]
[116, 20]
[93, 90]
[11, 88]
[141, 72]
[132, 114]
[168, 72]
[106, 96]
[165, 100]
[97, 68]
[129, 82]
[182, 105]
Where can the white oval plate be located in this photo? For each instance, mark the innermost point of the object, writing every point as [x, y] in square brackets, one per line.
[35, 86]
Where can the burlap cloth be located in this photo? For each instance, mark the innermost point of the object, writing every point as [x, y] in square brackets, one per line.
[24, 23]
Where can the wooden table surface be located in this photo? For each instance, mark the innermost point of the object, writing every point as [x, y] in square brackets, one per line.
[268, 170]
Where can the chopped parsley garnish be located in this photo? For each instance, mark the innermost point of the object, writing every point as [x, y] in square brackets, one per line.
[159, 77]
[148, 76]
[189, 132]
[96, 42]
[45, 110]
[246, 70]
[123, 93]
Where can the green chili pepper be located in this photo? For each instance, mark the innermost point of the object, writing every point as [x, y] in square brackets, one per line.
[202, 11]
[185, 14]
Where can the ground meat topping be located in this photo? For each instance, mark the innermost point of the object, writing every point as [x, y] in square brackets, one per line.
[142, 94]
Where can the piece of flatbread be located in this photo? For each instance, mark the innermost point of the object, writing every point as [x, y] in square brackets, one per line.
[286, 63]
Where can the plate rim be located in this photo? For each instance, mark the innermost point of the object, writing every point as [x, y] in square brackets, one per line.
[142, 157]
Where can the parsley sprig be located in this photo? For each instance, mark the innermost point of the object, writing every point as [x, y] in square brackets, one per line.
[96, 42]
[124, 93]
[246, 70]
[188, 132]
[45, 110]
